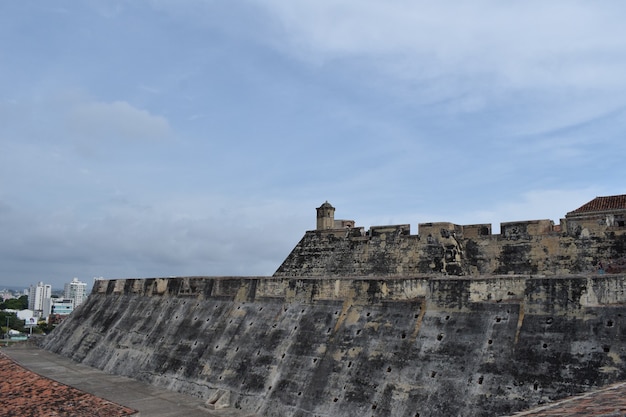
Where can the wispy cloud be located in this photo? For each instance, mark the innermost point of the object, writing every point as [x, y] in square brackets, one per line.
[116, 120]
[531, 43]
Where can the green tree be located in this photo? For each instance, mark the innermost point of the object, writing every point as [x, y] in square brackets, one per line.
[44, 328]
[14, 322]
[17, 303]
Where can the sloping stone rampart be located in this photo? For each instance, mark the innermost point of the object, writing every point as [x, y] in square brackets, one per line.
[372, 346]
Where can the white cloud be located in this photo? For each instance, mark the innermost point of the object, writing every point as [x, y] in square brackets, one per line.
[115, 120]
[522, 44]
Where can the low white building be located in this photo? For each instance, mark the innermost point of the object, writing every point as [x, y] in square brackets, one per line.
[25, 315]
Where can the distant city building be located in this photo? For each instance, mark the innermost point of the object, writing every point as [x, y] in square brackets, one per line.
[75, 291]
[6, 294]
[39, 297]
[62, 306]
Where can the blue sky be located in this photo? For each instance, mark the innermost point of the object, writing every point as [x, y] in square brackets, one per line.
[188, 137]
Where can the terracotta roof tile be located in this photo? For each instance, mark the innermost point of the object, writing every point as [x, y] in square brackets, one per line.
[24, 393]
[605, 402]
[613, 202]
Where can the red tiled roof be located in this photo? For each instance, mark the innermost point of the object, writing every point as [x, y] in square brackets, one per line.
[613, 202]
[605, 402]
[24, 393]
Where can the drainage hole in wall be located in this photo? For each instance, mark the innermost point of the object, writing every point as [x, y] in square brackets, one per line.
[260, 308]
[358, 331]
[606, 348]
[299, 393]
[374, 406]
[535, 386]
[208, 319]
[302, 311]
[335, 399]
[217, 347]
[349, 364]
[440, 336]
[283, 356]
[238, 307]
[251, 323]
[328, 331]
[404, 335]
[498, 319]
[237, 349]
[295, 328]
[220, 377]
[314, 360]
[195, 318]
[269, 388]
[368, 314]
[389, 369]
[480, 380]
[609, 323]
[545, 345]
[433, 374]
[549, 320]
[489, 341]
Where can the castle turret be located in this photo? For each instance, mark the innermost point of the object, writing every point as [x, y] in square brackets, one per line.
[325, 216]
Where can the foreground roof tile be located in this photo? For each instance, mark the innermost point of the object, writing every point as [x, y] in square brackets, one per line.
[24, 393]
[605, 402]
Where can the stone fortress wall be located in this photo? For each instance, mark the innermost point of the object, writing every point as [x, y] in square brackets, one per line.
[405, 347]
[366, 325]
[590, 239]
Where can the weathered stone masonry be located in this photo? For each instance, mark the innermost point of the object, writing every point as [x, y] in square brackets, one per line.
[344, 347]
[588, 240]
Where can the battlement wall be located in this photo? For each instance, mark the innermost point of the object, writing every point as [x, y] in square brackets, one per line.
[524, 247]
[425, 346]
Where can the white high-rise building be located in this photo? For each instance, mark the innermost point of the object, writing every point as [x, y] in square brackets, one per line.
[39, 298]
[75, 291]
